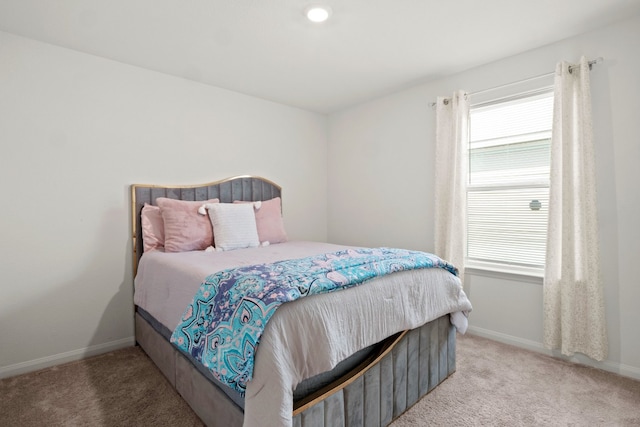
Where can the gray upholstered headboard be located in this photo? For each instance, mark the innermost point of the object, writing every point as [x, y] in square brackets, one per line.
[246, 188]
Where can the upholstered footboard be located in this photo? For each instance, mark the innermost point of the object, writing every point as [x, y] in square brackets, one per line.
[412, 366]
[373, 394]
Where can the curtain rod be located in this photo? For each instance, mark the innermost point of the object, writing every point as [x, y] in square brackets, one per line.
[591, 64]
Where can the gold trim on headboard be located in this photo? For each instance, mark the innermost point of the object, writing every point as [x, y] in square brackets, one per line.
[134, 214]
[134, 224]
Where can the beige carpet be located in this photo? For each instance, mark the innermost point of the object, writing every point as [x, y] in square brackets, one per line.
[500, 385]
[495, 385]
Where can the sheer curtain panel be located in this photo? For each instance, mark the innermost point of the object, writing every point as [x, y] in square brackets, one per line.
[574, 318]
[452, 140]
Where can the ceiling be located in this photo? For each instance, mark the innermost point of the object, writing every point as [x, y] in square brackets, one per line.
[267, 48]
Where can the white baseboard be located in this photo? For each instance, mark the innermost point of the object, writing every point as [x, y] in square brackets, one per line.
[69, 356]
[607, 365]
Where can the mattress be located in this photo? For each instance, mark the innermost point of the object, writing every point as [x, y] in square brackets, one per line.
[308, 336]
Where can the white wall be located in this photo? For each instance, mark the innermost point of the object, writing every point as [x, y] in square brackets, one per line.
[381, 184]
[75, 132]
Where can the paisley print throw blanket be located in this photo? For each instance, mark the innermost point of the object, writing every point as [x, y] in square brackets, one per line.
[223, 325]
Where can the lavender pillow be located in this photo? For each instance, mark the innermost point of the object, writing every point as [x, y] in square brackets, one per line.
[184, 228]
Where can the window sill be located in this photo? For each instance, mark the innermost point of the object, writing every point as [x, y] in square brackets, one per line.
[518, 274]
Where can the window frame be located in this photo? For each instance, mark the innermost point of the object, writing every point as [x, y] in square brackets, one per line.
[495, 269]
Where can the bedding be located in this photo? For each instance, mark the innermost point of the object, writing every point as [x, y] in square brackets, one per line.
[223, 324]
[308, 336]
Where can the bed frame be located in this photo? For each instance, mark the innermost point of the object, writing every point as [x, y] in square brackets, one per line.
[401, 370]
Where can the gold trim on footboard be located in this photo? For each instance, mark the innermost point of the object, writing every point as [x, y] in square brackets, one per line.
[409, 366]
[337, 385]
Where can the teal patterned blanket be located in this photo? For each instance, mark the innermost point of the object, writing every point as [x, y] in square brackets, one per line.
[223, 325]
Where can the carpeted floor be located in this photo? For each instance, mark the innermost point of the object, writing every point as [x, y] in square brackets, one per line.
[495, 385]
[500, 385]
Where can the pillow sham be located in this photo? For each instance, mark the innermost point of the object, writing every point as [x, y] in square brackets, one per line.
[184, 228]
[152, 228]
[269, 221]
[234, 226]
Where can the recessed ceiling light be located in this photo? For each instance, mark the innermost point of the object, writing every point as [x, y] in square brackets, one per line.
[317, 13]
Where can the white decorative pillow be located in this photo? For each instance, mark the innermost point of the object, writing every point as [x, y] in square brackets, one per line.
[234, 226]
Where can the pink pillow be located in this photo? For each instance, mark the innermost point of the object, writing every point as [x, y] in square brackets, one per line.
[152, 228]
[184, 228]
[269, 221]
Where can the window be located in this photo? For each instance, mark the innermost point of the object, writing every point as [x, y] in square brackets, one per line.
[508, 187]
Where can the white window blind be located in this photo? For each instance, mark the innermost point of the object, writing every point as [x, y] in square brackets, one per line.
[508, 187]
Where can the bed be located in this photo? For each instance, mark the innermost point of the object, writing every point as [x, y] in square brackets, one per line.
[359, 382]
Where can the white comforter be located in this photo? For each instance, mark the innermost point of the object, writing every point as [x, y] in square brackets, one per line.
[308, 336]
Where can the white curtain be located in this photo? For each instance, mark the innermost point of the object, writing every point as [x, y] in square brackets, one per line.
[452, 139]
[574, 319]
